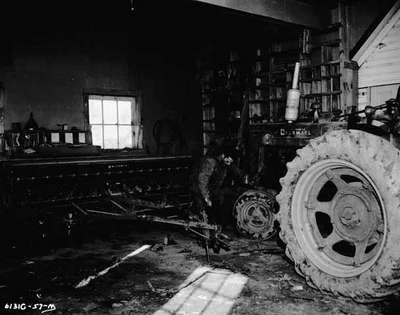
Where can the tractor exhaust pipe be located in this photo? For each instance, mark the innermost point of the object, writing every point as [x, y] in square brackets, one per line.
[293, 97]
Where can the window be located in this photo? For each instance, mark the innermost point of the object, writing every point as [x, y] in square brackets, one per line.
[115, 122]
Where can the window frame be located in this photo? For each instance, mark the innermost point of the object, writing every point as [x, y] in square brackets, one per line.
[116, 95]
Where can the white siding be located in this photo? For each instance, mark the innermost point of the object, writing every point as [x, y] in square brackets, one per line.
[380, 94]
[376, 95]
[382, 66]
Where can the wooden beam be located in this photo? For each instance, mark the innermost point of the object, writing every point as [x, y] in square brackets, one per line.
[290, 11]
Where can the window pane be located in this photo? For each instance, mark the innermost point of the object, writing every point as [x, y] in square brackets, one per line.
[95, 111]
[124, 112]
[110, 137]
[125, 137]
[97, 135]
[110, 111]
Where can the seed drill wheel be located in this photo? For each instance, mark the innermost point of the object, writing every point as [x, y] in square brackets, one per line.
[254, 212]
[340, 214]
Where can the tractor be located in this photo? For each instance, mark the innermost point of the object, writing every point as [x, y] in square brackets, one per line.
[339, 206]
[337, 210]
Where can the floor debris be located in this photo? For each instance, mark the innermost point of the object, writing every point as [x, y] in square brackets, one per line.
[117, 305]
[90, 307]
[29, 262]
[86, 281]
[157, 248]
[285, 277]
[297, 288]
[301, 297]
[150, 286]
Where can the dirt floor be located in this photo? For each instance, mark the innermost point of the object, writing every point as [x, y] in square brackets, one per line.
[144, 283]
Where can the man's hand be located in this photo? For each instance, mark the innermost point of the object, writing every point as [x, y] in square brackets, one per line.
[208, 202]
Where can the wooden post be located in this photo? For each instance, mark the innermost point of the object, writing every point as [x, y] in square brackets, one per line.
[2, 118]
[349, 79]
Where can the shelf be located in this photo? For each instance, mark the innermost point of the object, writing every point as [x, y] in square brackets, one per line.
[224, 65]
[321, 94]
[324, 77]
[329, 63]
[285, 52]
[259, 75]
[263, 122]
[261, 60]
[257, 101]
[331, 76]
[233, 61]
[277, 99]
[279, 71]
[335, 42]
[260, 87]
[207, 91]
[277, 84]
[332, 62]
[258, 59]
[329, 29]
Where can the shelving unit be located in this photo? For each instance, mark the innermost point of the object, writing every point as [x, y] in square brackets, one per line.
[208, 109]
[320, 77]
[326, 74]
[282, 58]
[258, 93]
[221, 95]
[332, 81]
[263, 76]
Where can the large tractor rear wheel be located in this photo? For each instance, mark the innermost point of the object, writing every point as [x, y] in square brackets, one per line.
[340, 214]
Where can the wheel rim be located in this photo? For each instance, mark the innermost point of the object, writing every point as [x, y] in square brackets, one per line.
[254, 213]
[339, 218]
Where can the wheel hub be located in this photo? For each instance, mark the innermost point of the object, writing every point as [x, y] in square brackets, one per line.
[352, 218]
[257, 214]
[254, 214]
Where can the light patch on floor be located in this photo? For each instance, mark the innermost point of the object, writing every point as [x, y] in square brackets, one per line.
[206, 291]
